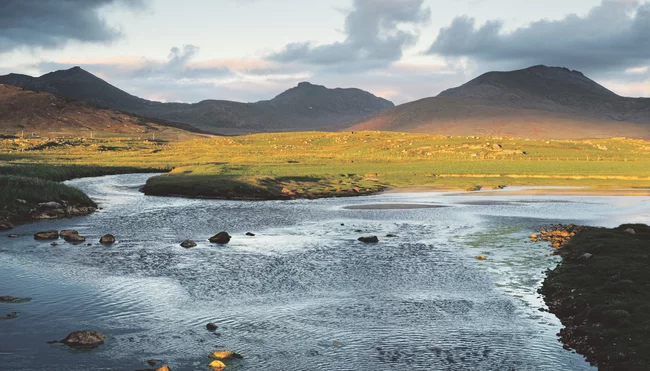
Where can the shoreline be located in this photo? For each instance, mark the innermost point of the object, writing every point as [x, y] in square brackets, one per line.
[547, 190]
[600, 291]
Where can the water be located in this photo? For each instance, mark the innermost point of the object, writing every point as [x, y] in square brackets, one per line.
[302, 294]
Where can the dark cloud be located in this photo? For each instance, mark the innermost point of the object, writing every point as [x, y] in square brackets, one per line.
[613, 35]
[52, 23]
[373, 37]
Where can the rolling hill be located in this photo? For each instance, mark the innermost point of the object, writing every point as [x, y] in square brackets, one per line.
[26, 112]
[536, 102]
[304, 107]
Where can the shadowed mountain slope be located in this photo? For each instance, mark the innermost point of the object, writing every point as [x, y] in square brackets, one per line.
[304, 107]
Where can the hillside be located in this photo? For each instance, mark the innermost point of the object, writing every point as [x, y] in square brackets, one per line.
[304, 107]
[25, 112]
[537, 102]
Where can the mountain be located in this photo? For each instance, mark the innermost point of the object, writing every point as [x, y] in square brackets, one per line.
[304, 107]
[26, 112]
[536, 102]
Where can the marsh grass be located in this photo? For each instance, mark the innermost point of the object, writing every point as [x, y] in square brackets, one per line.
[376, 160]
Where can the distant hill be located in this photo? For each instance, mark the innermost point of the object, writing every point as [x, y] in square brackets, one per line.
[304, 107]
[536, 102]
[26, 112]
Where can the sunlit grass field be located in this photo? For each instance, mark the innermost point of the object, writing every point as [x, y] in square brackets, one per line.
[334, 164]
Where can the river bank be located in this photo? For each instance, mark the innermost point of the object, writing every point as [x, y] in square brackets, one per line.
[601, 293]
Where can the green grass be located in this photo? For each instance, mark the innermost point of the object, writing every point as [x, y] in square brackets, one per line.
[261, 165]
[33, 191]
[604, 301]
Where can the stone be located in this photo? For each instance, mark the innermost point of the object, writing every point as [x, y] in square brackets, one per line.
[5, 225]
[481, 257]
[225, 355]
[47, 235]
[249, 234]
[391, 235]
[50, 205]
[107, 239]
[630, 231]
[217, 365]
[188, 244]
[372, 239]
[211, 326]
[67, 232]
[585, 256]
[152, 362]
[6, 299]
[12, 315]
[74, 238]
[21, 201]
[54, 244]
[221, 238]
[84, 339]
[13, 235]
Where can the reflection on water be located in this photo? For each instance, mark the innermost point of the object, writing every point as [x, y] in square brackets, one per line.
[303, 294]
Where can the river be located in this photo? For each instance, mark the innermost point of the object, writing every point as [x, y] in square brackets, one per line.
[303, 294]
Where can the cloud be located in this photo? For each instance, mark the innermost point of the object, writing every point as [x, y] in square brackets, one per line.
[613, 35]
[51, 24]
[373, 37]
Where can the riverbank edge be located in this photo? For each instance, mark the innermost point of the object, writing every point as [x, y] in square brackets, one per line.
[600, 291]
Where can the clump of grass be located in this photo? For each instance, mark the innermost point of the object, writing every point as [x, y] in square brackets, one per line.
[604, 301]
[19, 195]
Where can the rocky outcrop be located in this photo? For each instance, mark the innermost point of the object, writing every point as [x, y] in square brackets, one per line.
[220, 238]
[47, 235]
[371, 239]
[74, 238]
[54, 210]
[84, 339]
[67, 232]
[107, 239]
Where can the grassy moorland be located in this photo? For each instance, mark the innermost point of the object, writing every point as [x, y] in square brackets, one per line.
[316, 164]
[601, 293]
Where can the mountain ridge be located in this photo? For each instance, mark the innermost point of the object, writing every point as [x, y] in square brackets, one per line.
[304, 107]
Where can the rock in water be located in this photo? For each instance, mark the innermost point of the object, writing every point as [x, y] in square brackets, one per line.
[250, 234]
[107, 239]
[67, 232]
[5, 225]
[84, 339]
[211, 326]
[13, 235]
[74, 238]
[12, 315]
[47, 235]
[217, 365]
[225, 354]
[188, 244]
[221, 238]
[372, 239]
[6, 299]
[481, 257]
[152, 362]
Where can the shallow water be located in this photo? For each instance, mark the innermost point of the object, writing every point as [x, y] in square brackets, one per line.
[302, 294]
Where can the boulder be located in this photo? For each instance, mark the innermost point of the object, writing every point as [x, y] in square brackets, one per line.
[5, 225]
[107, 239]
[481, 257]
[74, 238]
[211, 326]
[67, 232]
[221, 238]
[54, 244]
[47, 235]
[249, 234]
[630, 231]
[13, 235]
[84, 339]
[391, 235]
[188, 244]
[372, 239]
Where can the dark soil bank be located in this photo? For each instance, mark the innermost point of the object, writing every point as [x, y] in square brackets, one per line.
[601, 293]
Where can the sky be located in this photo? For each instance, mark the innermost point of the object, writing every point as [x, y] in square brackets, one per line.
[250, 50]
